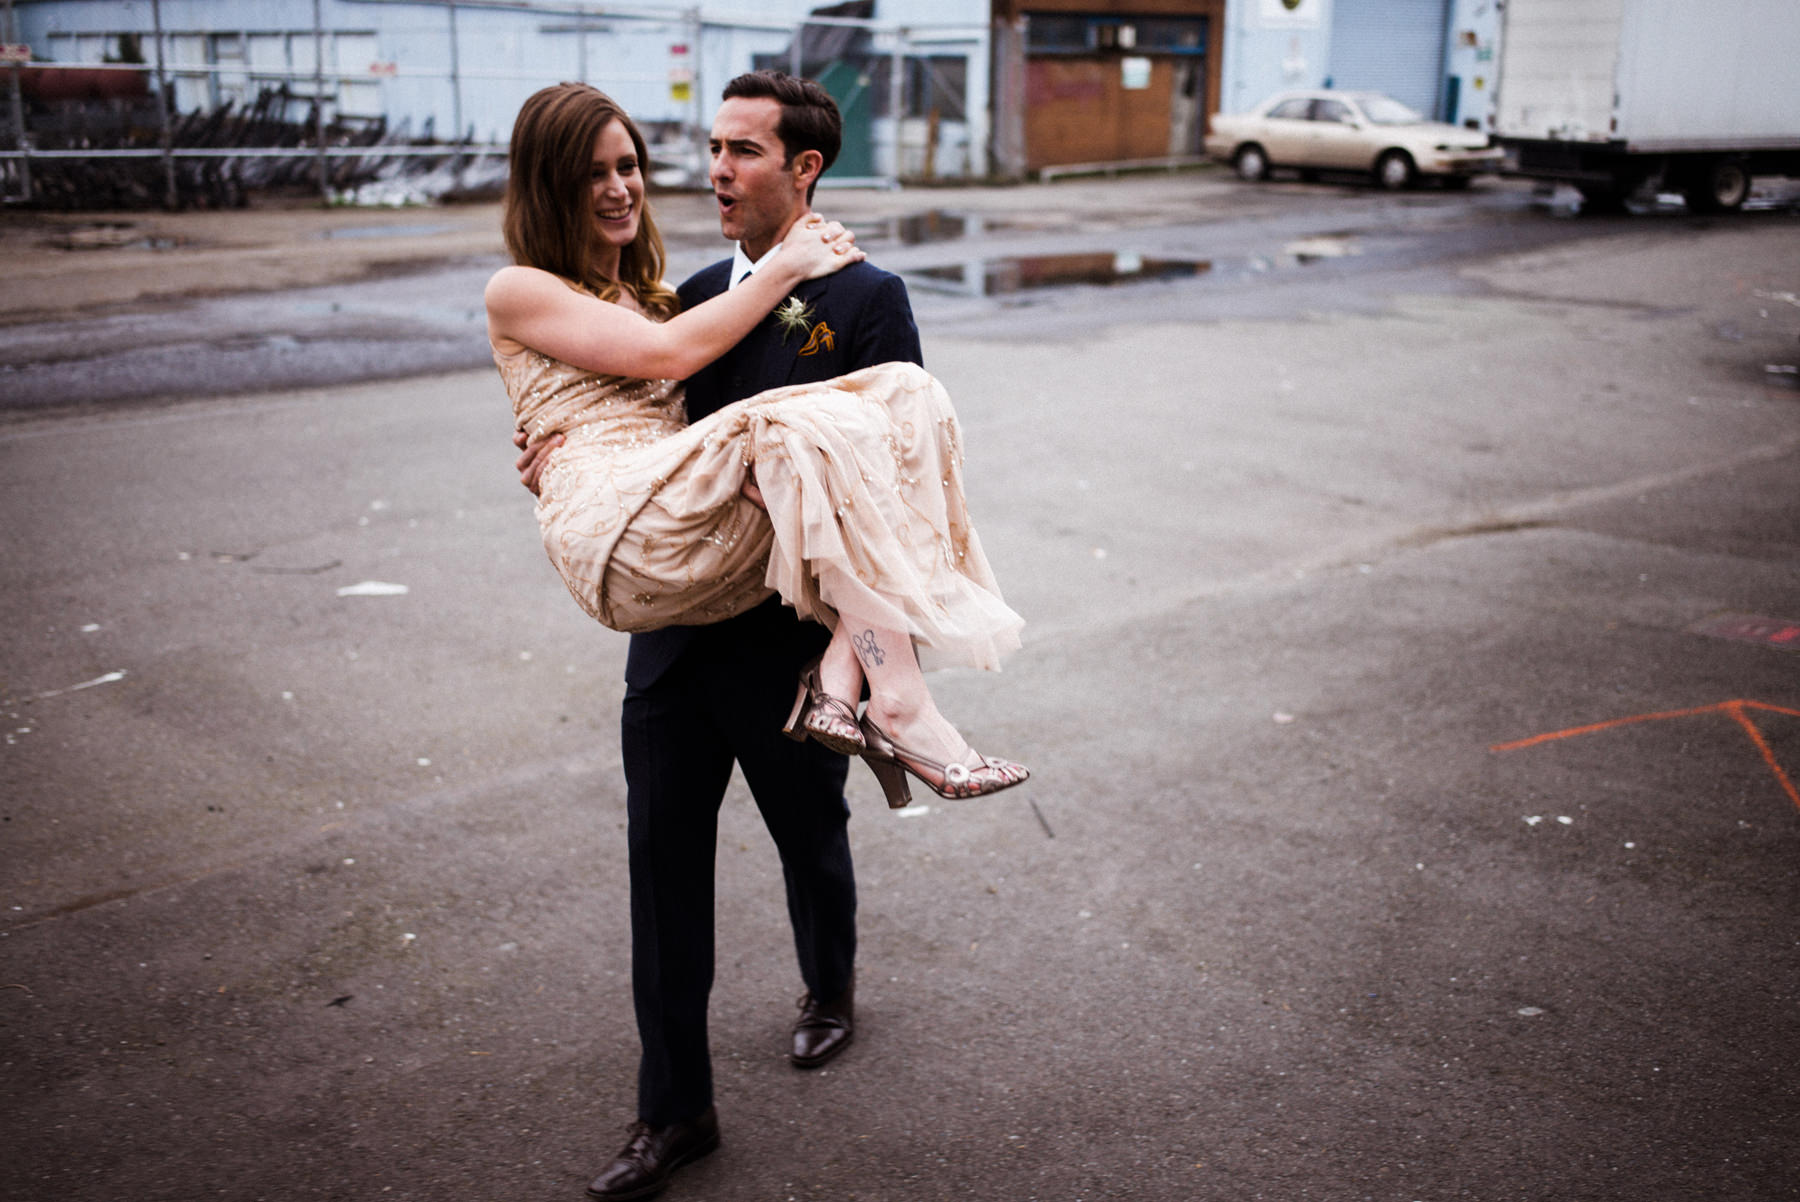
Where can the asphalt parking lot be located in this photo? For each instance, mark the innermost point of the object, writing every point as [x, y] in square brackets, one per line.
[1410, 690]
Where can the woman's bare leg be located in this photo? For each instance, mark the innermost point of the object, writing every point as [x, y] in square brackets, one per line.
[862, 652]
[900, 703]
[840, 673]
[903, 728]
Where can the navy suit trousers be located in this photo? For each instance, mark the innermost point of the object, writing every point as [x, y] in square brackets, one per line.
[680, 738]
[699, 699]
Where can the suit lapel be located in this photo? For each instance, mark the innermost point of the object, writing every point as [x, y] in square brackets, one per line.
[788, 364]
[762, 360]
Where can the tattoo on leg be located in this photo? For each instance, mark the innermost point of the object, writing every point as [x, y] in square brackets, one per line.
[868, 648]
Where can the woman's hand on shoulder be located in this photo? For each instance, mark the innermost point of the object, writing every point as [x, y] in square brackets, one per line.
[817, 247]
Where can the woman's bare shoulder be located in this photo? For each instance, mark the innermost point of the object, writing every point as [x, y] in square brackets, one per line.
[516, 280]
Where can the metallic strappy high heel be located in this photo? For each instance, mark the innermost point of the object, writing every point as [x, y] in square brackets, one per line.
[890, 762]
[827, 720]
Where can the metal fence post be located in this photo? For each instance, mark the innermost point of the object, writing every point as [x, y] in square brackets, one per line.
[18, 112]
[319, 100]
[164, 103]
[696, 23]
[897, 101]
[581, 32]
[455, 94]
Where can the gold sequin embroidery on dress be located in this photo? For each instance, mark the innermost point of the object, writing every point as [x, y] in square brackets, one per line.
[644, 516]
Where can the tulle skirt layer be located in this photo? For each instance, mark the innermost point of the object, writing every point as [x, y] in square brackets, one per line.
[862, 479]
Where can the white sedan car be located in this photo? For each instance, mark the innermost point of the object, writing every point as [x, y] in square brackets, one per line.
[1348, 131]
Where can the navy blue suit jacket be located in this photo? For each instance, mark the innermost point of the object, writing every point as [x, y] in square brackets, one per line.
[871, 322]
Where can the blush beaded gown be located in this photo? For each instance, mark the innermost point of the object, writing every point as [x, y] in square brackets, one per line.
[644, 517]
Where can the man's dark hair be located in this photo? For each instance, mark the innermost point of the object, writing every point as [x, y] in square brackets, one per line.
[809, 116]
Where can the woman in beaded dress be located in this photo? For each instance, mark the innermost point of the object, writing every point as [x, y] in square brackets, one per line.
[844, 497]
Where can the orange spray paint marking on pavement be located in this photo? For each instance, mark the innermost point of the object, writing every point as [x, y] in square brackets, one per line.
[1735, 710]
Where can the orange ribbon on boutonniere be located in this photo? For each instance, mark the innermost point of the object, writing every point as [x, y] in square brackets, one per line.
[795, 316]
[821, 337]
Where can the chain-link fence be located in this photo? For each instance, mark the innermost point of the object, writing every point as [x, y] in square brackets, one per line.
[398, 100]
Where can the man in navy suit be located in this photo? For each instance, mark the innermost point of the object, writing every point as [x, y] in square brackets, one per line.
[700, 698]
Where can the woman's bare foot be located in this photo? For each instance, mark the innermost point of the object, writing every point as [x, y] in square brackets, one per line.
[903, 730]
[920, 728]
[967, 775]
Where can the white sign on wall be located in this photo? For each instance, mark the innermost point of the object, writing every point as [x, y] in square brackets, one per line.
[1135, 73]
[1289, 14]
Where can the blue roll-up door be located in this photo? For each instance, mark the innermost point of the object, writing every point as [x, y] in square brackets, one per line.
[1392, 46]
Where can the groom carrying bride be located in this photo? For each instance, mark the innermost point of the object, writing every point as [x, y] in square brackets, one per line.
[700, 698]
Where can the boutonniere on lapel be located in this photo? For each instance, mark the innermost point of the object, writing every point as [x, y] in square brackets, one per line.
[795, 316]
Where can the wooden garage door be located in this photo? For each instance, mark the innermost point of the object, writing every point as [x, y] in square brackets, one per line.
[1078, 111]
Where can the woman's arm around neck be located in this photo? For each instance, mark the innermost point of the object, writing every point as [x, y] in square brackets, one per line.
[528, 307]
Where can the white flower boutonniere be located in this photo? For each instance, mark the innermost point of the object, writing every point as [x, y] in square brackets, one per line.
[794, 317]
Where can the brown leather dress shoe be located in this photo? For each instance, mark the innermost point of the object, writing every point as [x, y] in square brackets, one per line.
[824, 1029]
[652, 1154]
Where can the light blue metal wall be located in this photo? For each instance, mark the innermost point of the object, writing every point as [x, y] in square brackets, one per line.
[1397, 47]
[1268, 49]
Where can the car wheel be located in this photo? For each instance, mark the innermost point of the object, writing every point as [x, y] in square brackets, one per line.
[1251, 163]
[1394, 170]
[1720, 186]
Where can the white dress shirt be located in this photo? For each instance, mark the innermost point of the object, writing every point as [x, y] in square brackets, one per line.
[742, 267]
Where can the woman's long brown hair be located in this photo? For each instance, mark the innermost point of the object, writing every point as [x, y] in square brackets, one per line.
[549, 219]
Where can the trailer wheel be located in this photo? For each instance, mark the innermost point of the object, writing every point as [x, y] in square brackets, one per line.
[1251, 162]
[1394, 170]
[1720, 185]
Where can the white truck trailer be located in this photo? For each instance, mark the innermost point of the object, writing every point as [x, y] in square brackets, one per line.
[1691, 96]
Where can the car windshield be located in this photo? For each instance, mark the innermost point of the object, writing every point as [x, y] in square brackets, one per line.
[1384, 111]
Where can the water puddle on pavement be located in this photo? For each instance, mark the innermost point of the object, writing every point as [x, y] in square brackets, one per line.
[1015, 274]
[387, 231]
[933, 225]
[938, 225]
[1325, 246]
[107, 235]
[1772, 195]
[1022, 273]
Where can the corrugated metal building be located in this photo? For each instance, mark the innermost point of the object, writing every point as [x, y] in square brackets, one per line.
[462, 69]
[928, 87]
[1437, 56]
